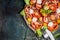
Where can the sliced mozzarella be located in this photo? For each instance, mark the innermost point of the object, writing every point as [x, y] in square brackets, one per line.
[34, 19]
[46, 20]
[46, 7]
[39, 1]
[31, 11]
[50, 24]
[58, 10]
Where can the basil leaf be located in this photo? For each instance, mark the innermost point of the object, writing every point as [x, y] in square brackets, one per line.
[27, 2]
[42, 11]
[22, 13]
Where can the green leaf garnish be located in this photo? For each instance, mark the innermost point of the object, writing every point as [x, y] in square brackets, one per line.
[39, 33]
[22, 13]
[57, 35]
[45, 11]
[27, 2]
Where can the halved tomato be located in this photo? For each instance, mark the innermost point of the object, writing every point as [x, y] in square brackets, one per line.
[58, 21]
[53, 17]
[52, 26]
[38, 6]
[53, 7]
[36, 14]
[45, 19]
[36, 25]
[59, 4]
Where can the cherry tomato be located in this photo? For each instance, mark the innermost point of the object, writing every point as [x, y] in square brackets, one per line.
[36, 25]
[36, 14]
[32, 1]
[26, 10]
[53, 7]
[55, 1]
[45, 19]
[58, 21]
[41, 19]
[52, 26]
[45, 24]
[53, 17]
[29, 20]
[59, 4]
[58, 18]
[32, 25]
[38, 6]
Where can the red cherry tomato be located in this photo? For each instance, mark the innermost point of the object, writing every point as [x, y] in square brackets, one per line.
[55, 1]
[38, 6]
[53, 17]
[45, 19]
[47, 3]
[41, 19]
[52, 26]
[26, 10]
[36, 25]
[58, 15]
[53, 7]
[36, 14]
[27, 13]
[32, 25]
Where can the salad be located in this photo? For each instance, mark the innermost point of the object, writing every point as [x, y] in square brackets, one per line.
[42, 15]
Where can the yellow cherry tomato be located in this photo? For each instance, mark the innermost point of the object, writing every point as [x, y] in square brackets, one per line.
[58, 21]
[32, 1]
[59, 4]
[45, 24]
[44, 14]
[29, 20]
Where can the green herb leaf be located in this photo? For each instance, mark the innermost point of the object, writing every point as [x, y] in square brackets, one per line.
[49, 11]
[39, 33]
[57, 35]
[22, 13]
[42, 11]
[27, 2]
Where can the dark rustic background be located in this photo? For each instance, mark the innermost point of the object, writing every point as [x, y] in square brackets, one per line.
[12, 25]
